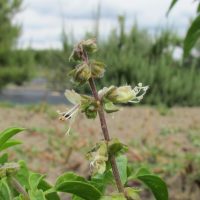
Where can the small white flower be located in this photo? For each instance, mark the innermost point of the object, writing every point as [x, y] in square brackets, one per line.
[123, 94]
[71, 114]
[98, 165]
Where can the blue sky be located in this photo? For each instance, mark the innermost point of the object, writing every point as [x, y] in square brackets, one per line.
[42, 20]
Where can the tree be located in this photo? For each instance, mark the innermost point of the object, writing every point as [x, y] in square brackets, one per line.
[9, 32]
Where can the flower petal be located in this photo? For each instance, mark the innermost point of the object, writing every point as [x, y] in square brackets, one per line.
[73, 97]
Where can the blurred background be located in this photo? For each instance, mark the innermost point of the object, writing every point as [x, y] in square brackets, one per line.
[138, 43]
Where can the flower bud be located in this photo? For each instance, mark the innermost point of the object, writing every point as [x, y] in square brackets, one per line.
[89, 45]
[82, 73]
[77, 53]
[8, 169]
[97, 69]
[11, 168]
[2, 172]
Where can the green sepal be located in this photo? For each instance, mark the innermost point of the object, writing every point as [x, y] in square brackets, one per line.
[109, 107]
[81, 73]
[132, 193]
[115, 147]
[97, 69]
[89, 45]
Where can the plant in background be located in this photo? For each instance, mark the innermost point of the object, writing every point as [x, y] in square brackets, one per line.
[193, 33]
[107, 160]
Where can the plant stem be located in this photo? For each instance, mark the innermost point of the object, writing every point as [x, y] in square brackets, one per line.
[19, 188]
[106, 136]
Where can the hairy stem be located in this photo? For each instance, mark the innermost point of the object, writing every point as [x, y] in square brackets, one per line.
[19, 188]
[106, 136]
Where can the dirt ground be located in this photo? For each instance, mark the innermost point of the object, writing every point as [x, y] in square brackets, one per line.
[165, 140]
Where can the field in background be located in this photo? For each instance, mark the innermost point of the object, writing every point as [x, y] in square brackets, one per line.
[165, 140]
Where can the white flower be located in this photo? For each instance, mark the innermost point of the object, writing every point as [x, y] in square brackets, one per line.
[98, 165]
[71, 114]
[123, 94]
[98, 157]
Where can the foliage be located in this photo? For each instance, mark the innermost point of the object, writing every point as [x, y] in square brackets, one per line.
[14, 64]
[193, 33]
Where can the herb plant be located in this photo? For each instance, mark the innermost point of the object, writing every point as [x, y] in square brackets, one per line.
[108, 162]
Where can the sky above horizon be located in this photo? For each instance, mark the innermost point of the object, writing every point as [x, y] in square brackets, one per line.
[42, 20]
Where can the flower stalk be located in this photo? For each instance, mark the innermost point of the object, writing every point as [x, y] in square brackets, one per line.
[106, 135]
[101, 101]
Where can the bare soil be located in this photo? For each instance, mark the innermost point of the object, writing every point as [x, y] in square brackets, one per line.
[165, 140]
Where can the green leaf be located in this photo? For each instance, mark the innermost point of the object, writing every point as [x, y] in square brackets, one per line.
[102, 180]
[49, 193]
[122, 167]
[36, 195]
[156, 184]
[192, 36]
[69, 176]
[8, 133]
[3, 158]
[114, 197]
[142, 171]
[173, 2]
[81, 189]
[77, 185]
[74, 197]
[34, 180]
[9, 143]
[5, 192]
[23, 174]
[19, 198]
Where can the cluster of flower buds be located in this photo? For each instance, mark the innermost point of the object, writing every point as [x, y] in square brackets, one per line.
[8, 169]
[82, 48]
[109, 96]
[86, 69]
